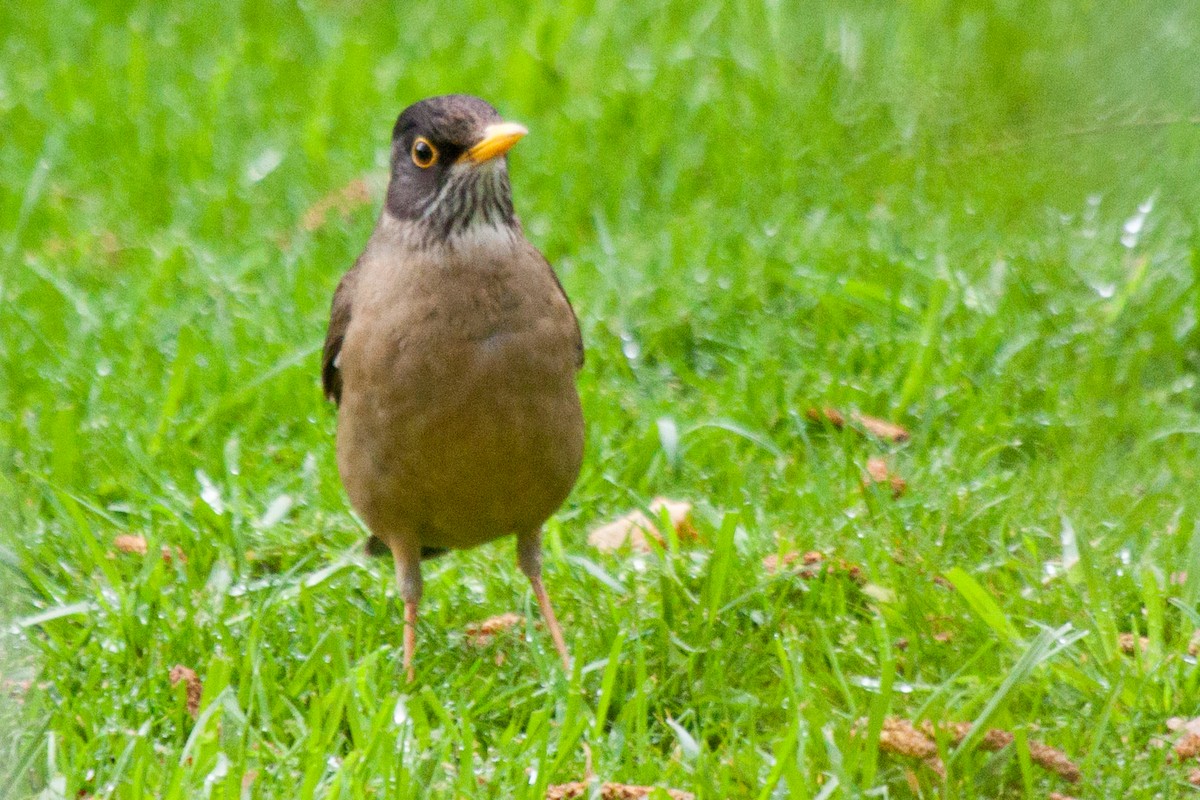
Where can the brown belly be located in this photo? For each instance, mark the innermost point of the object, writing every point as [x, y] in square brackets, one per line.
[485, 442]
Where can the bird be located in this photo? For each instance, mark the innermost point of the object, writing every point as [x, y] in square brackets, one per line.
[452, 355]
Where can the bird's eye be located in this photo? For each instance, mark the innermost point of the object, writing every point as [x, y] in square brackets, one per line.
[424, 155]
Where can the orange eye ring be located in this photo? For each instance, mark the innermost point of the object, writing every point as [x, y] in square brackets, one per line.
[424, 154]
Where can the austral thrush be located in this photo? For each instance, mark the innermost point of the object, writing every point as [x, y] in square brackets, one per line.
[452, 352]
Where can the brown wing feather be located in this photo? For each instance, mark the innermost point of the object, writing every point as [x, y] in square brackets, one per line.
[574, 316]
[339, 320]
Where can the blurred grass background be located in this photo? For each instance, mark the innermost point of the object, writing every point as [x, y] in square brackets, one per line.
[979, 219]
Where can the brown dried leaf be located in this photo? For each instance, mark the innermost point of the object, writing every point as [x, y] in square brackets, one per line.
[129, 543]
[1055, 761]
[636, 526]
[773, 563]
[344, 201]
[881, 428]
[899, 736]
[194, 688]
[879, 472]
[1188, 746]
[997, 739]
[1194, 777]
[1194, 643]
[481, 634]
[170, 554]
[610, 791]
[1130, 644]
[830, 415]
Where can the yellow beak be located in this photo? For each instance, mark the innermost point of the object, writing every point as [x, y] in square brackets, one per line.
[497, 140]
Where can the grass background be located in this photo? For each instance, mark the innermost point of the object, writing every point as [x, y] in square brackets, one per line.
[927, 211]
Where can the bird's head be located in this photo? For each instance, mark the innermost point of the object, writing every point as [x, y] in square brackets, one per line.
[448, 172]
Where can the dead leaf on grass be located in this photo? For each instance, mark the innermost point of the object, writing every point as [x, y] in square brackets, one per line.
[129, 543]
[878, 471]
[194, 688]
[344, 201]
[814, 564]
[830, 415]
[906, 739]
[774, 562]
[900, 737]
[1054, 760]
[882, 429]
[1194, 777]
[1131, 644]
[172, 554]
[874, 426]
[1188, 746]
[481, 634]
[636, 526]
[610, 791]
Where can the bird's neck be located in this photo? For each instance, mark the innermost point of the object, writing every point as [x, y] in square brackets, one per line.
[486, 235]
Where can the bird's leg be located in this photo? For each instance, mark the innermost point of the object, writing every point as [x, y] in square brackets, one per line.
[529, 557]
[408, 580]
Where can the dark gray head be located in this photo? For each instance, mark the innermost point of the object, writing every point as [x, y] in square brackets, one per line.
[449, 170]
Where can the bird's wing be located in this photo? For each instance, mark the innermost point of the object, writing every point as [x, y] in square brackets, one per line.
[571, 308]
[339, 321]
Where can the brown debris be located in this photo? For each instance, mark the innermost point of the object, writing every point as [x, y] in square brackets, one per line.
[1194, 777]
[1055, 761]
[1188, 746]
[879, 472]
[129, 543]
[882, 429]
[344, 201]
[879, 428]
[481, 634]
[1131, 644]
[1060, 796]
[827, 414]
[610, 791]
[774, 563]
[637, 528]
[194, 689]
[899, 736]
[996, 739]
[814, 564]
[1194, 643]
[171, 554]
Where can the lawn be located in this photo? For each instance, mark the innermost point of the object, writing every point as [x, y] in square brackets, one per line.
[977, 220]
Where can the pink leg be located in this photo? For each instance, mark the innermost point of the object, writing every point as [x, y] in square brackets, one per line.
[529, 556]
[410, 639]
[408, 581]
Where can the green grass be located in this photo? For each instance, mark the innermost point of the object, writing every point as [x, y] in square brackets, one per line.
[914, 210]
